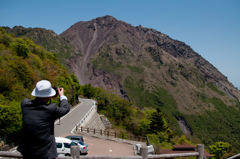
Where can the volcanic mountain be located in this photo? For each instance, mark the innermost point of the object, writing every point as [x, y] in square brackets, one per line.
[151, 69]
[114, 46]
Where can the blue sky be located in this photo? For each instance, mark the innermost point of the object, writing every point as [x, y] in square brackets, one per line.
[210, 27]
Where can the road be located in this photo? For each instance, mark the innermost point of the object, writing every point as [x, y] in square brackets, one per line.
[70, 120]
[96, 146]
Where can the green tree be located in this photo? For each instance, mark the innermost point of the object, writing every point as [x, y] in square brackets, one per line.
[89, 91]
[6, 39]
[219, 149]
[144, 126]
[158, 122]
[22, 71]
[183, 140]
[21, 48]
[10, 119]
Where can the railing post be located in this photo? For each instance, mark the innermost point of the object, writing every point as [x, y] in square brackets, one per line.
[76, 127]
[144, 152]
[75, 152]
[88, 130]
[81, 129]
[115, 134]
[94, 131]
[101, 131]
[200, 149]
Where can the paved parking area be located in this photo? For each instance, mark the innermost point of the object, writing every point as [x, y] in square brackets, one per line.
[107, 147]
[103, 147]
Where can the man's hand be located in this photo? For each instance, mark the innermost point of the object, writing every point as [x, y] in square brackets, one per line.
[60, 91]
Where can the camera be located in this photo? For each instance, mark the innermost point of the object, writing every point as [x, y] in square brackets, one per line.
[56, 89]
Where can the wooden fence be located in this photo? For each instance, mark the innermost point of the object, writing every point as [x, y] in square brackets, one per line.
[143, 154]
[109, 133]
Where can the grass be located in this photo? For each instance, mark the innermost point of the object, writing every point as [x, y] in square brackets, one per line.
[215, 89]
[136, 69]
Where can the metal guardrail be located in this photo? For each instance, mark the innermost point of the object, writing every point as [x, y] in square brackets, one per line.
[235, 156]
[86, 115]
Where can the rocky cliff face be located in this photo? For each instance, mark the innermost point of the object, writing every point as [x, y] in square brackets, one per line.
[89, 37]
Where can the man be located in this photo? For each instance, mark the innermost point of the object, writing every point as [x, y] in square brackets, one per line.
[38, 140]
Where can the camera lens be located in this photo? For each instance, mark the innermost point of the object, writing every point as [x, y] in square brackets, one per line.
[56, 89]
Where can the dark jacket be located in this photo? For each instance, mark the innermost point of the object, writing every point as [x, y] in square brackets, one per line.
[38, 140]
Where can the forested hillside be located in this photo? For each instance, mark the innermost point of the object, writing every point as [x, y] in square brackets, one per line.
[22, 65]
[47, 39]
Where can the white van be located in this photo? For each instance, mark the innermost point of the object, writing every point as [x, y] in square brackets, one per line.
[150, 149]
[64, 146]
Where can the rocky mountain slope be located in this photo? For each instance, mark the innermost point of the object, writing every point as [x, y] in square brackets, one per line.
[176, 64]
